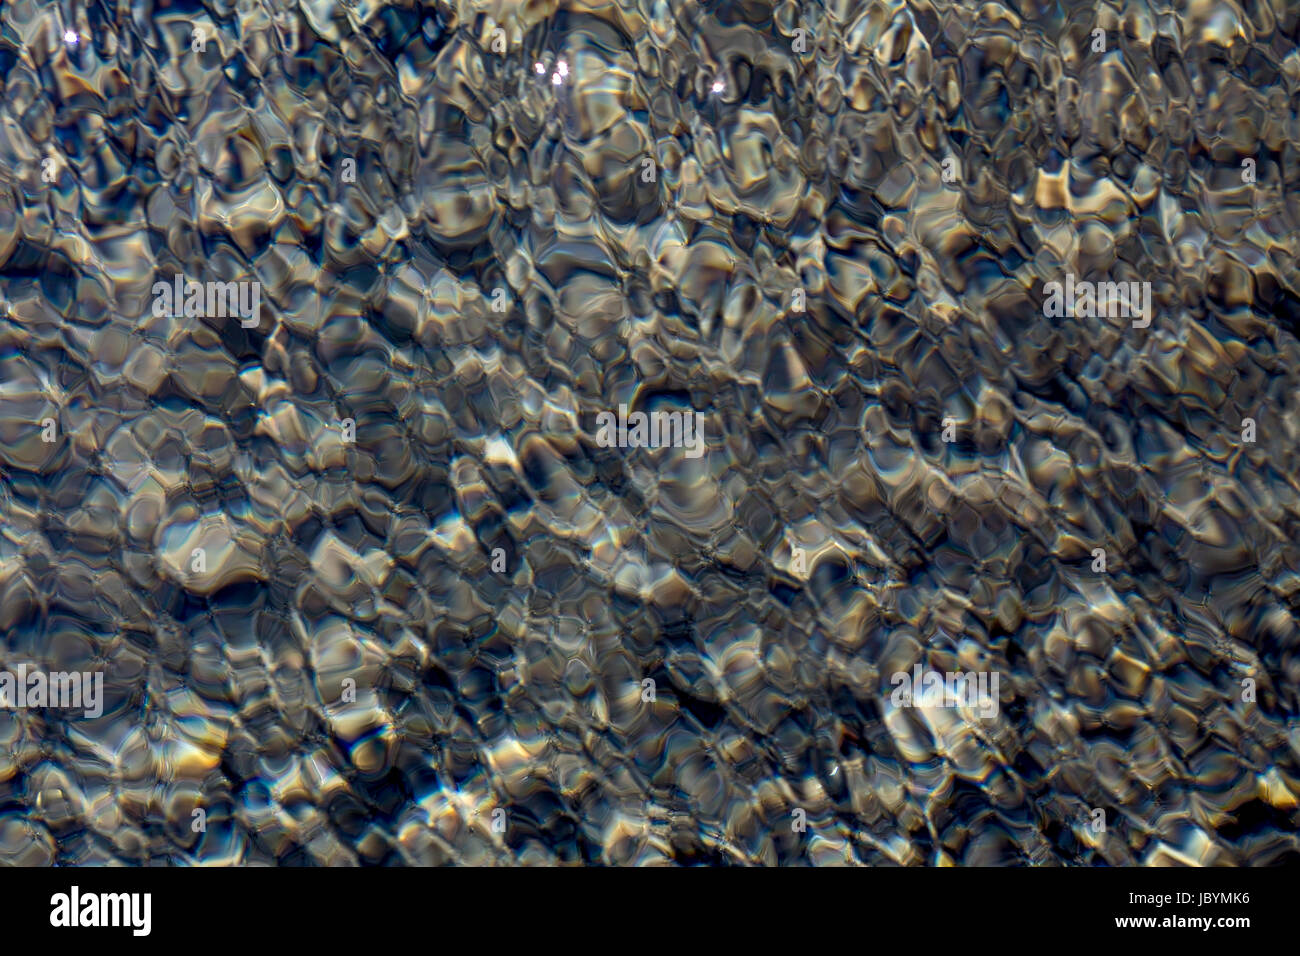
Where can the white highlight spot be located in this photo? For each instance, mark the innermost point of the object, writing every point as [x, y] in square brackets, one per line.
[540, 68]
[562, 68]
[719, 86]
[70, 37]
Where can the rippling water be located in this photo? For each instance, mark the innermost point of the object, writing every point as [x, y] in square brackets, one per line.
[365, 579]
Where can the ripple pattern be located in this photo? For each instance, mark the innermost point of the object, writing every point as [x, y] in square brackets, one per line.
[363, 584]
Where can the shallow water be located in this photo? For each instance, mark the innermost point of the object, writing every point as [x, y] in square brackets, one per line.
[367, 583]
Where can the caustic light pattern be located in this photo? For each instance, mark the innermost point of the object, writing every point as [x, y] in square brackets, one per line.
[649, 431]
